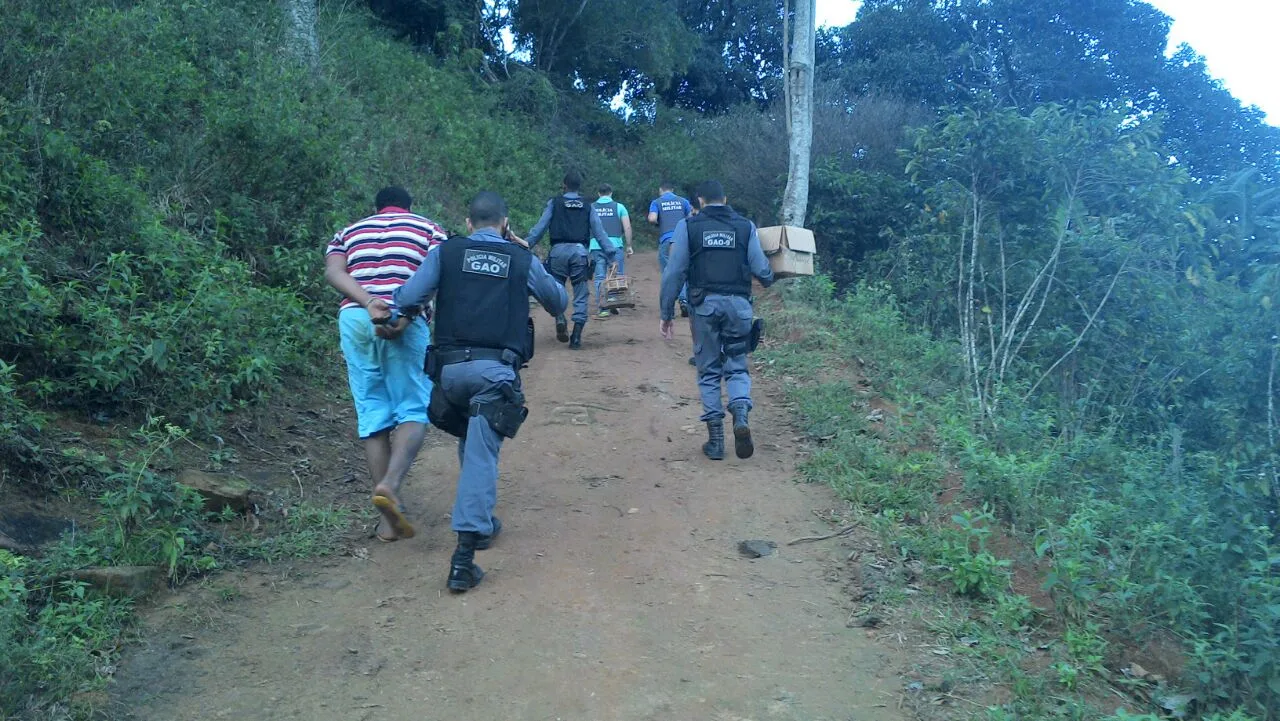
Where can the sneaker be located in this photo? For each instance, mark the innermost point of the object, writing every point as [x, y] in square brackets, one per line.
[604, 314]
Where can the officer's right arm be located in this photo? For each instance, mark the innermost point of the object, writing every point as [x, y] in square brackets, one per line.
[677, 270]
[421, 285]
[653, 212]
[546, 289]
[541, 226]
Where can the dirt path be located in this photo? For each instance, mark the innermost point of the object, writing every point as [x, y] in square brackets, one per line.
[615, 592]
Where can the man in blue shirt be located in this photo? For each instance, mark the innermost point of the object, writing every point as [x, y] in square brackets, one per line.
[571, 223]
[482, 338]
[617, 224]
[665, 211]
[718, 252]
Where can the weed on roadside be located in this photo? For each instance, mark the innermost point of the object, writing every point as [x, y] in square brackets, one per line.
[1107, 575]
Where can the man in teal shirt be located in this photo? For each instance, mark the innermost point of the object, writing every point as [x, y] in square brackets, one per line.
[617, 225]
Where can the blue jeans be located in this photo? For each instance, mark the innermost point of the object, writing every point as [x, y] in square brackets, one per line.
[601, 260]
[664, 250]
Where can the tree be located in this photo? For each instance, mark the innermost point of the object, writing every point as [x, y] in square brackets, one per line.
[605, 48]
[438, 24]
[735, 59]
[302, 39]
[799, 49]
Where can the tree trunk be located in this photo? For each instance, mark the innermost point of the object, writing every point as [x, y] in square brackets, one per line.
[798, 84]
[301, 31]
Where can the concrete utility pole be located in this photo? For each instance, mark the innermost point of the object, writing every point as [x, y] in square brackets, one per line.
[799, 46]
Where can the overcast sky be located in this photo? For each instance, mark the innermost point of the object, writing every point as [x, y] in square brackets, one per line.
[1238, 39]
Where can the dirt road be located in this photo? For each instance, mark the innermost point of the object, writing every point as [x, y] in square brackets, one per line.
[616, 591]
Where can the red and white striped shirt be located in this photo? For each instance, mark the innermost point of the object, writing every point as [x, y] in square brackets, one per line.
[383, 250]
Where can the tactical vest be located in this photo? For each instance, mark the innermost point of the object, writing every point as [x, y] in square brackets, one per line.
[483, 298]
[608, 214]
[670, 212]
[570, 221]
[718, 239]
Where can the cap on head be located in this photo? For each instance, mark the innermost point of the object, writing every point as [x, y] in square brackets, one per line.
[392, 196]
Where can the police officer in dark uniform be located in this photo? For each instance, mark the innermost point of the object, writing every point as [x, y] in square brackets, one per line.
[483, 336]
[718, 252]
[571, 223]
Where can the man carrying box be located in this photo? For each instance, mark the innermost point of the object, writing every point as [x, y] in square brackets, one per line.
[717, 252]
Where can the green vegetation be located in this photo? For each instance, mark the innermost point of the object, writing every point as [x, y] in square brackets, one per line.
[59, 636]
[1110, 527]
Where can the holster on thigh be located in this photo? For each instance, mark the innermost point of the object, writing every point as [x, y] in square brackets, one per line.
[504, 415]
[446, 416]
[757, 332]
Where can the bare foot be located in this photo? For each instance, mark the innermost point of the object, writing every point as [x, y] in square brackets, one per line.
[393, 518]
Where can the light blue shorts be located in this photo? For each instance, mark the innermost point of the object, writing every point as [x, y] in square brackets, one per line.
[387, 381]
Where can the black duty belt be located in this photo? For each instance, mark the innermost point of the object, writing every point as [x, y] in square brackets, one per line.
[462, 355]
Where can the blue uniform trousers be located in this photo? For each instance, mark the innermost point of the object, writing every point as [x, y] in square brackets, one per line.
[720, 321]
[569, 262]
[477, 381]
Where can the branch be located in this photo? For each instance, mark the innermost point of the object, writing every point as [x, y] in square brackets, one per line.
[1087, 326]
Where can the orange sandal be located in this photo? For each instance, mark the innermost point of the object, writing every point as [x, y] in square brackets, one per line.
[394, 513]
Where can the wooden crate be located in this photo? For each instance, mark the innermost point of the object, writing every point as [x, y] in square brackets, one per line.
[618, 292]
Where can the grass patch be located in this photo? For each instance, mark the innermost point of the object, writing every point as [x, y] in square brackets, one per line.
[1075, 515]
[60, 638]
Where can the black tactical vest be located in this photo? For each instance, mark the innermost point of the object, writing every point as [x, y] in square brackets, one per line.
[608, 213]
[570, 221]
[718, 239]
[483, 298]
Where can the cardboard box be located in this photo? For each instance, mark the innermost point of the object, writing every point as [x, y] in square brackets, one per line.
[790, 249]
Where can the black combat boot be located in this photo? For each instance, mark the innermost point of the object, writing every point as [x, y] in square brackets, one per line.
[742, 445]
[484, 542]
[464, 574]
[714, 447]
[575, 340]
[562, 330]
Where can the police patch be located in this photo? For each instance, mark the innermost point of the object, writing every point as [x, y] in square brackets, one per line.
[485, 262]
[719, 239]
[574, 203]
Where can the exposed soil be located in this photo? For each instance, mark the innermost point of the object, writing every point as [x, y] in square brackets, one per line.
[617, 590]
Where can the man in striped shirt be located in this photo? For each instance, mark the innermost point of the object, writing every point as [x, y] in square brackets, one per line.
[385, 346]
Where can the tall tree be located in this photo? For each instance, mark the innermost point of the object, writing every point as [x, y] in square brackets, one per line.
[799, 50]
[303, 41]
[735, 59]
[605, 48]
